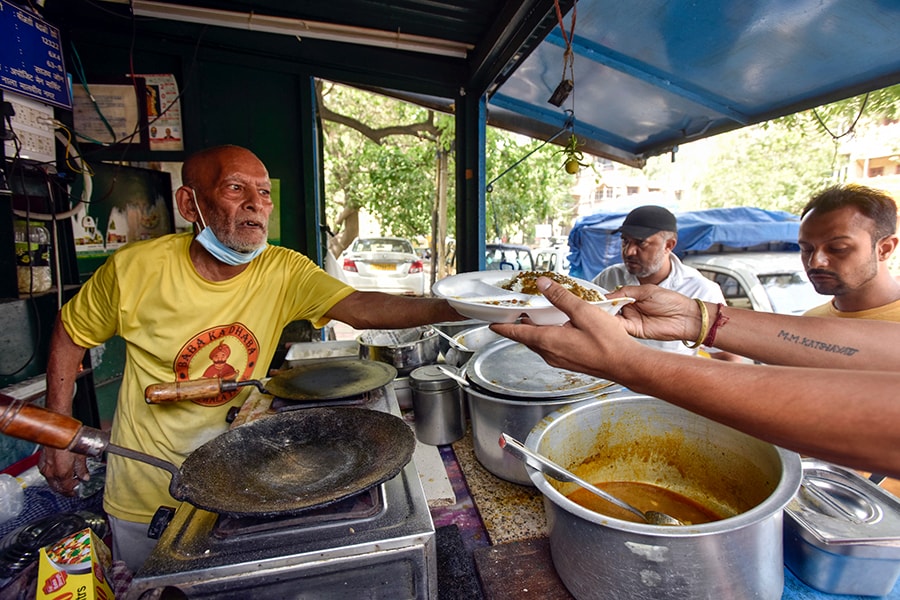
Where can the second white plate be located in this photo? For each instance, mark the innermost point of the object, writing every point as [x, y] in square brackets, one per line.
[477, 295]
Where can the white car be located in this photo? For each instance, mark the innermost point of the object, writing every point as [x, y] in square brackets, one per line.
[554, 258]
[765, 281]
[384, 264]
[508, 257]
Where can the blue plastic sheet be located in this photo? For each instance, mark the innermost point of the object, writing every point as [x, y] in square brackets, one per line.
[794, 589]
[593, 246]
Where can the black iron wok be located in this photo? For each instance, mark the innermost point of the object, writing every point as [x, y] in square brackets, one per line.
[277, 465]
[314, 380]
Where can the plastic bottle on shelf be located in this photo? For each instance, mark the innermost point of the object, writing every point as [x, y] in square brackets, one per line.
[33, 257]
[12, 497]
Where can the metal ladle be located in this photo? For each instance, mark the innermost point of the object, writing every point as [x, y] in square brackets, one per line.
[453, 342]
[460, 380]
[551, 469]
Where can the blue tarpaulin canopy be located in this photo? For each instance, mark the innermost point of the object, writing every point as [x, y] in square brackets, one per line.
[594, 246]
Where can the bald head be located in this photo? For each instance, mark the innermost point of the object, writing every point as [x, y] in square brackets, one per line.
[203, 169]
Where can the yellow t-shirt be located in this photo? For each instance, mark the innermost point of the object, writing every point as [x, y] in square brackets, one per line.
[888, 312]
[179, 326]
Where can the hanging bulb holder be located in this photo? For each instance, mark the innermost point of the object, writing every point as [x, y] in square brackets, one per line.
[561, 93]
[567, 83]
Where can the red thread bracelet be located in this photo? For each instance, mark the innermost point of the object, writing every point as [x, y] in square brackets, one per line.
[721, 319]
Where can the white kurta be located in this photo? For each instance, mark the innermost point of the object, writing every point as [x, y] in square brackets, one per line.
[682, 278]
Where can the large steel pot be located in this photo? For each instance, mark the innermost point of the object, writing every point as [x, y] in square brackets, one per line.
[639, 438]
[474, 340]
[404, 349]
[492, 415]
[511, 389]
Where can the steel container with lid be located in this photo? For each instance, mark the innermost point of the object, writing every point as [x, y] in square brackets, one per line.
[473, 340]
[511, 389]
[438, 405]
[453, 328]
[842, 532]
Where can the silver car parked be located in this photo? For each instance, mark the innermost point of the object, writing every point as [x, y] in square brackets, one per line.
[384, 264]
[765, 281]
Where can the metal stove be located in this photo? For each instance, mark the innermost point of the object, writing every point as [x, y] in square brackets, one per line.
[379, 544]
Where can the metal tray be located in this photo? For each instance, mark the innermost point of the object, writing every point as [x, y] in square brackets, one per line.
[509, 368]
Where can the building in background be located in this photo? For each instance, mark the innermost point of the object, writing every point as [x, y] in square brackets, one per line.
[872, 158]
[613, 187]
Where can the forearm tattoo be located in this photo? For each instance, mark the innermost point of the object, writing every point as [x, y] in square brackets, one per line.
[816, 344]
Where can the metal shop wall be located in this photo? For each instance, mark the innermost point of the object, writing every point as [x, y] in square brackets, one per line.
[263, 104]
[226, 99]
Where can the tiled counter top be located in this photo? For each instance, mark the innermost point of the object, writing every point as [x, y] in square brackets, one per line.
[510, 512]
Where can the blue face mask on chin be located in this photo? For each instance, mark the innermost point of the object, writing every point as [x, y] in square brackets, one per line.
[220, 251]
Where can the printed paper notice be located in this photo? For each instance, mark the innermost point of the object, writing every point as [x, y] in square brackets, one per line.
[163, 112]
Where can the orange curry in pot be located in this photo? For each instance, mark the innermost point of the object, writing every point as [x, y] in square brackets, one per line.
[644, 496]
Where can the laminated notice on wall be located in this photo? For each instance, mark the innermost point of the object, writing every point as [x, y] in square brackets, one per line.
[109, 114]
[163, 112]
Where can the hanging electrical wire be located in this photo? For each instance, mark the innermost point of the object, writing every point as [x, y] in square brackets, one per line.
[79, 70]
[66, 139]
[567, 84]
[490, 185]
[562, 93]
[836, 138]
[850, 129]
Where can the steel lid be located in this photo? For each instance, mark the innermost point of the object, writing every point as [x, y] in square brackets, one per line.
[431, 378]
[510, 368]
[845, 512]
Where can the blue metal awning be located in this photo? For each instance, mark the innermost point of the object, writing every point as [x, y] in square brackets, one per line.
[652, 74]
[649, 75]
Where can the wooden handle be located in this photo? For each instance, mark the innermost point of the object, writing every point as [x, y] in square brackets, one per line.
[160, 393]
[35, 424]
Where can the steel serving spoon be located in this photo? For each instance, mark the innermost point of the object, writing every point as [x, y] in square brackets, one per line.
[453, 342]
[551, 469]
[460, 380]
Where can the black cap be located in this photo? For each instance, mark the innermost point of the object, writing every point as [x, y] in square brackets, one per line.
[644, 221]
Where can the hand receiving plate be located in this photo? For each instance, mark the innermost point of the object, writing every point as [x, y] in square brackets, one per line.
[478, 295]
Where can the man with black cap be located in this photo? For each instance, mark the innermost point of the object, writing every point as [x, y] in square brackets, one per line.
[649, 235]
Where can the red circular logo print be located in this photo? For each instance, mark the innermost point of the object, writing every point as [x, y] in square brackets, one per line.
[223, 352]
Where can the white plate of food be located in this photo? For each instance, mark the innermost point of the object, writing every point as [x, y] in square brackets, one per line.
[504, 296]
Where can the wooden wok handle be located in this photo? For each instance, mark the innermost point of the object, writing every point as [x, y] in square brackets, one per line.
[160, 393]
[35, 424]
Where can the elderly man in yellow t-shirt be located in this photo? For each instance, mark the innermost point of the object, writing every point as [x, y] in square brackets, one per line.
[216, 298]
[847, 234]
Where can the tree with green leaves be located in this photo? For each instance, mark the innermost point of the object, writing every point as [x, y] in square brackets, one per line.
[536, 190]
[776, 167]
[395, 159]
[383, 162]
[778, 164]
